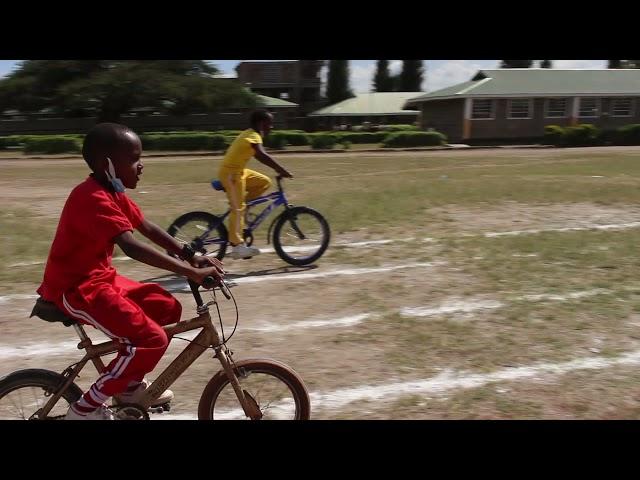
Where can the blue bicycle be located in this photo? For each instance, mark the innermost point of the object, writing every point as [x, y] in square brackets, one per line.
[300, 234]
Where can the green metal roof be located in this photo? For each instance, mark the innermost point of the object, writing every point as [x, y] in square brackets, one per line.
[378, 103]
[276, 102]
[540, 82]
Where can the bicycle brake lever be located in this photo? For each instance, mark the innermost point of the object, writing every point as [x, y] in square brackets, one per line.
[224, 289]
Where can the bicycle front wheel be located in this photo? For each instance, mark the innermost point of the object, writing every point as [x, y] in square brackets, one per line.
[25, 392]
[277, 390]
[300, 236]
[204, 231]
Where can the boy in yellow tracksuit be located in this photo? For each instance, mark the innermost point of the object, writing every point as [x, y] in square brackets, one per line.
[240, 183]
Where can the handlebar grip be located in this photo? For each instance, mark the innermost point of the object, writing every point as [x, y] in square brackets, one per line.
[209, 282]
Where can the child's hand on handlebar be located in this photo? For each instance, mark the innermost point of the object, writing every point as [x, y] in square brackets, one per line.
[285, 174]
[206, 267]
[201, 261]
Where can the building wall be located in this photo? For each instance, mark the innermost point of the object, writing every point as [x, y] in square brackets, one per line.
[444, 116]
[300, 81]
[507, 128]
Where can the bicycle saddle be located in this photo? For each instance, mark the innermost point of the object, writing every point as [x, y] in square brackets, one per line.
[49, 312]
[217, 185]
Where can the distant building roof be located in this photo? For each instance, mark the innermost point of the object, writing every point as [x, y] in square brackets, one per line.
[378, 103]
[271, 102]
[539, 82]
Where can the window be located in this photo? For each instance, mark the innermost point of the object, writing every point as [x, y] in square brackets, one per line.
[271, 73]
[520, 108]
[621, 107]
[588, 107]
[556, 108]
[482, 109]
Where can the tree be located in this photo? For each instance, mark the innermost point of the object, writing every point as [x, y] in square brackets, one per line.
[108, 89]
[516, 64]
[411, 76]
[338, 81]
[382, 80]
[546, 64]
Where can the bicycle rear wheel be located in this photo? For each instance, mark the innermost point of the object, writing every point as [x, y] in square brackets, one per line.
[301, 235]
[25, 392]
[277, 390]
[192, 228]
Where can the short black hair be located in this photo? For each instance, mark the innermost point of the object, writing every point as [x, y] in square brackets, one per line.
[258, 116]
[102, 140]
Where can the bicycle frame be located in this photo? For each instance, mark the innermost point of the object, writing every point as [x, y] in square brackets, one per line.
[277, 199]
[208, 337]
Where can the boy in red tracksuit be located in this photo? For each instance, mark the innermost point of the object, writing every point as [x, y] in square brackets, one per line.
[81, 281]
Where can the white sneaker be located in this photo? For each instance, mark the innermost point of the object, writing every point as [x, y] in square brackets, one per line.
[131, 397]
[242, 251]
[101, 413]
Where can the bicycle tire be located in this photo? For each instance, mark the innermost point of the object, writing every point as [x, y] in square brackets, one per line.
[46, 380]
[244, 369]
[284, 219]
[178, 230]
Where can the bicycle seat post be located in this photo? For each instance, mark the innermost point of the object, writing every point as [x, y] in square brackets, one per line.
[84, 338]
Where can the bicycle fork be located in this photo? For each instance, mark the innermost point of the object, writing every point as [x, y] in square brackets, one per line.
[249, 405]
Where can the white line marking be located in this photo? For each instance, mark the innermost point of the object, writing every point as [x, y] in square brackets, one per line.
[614, 226]
[450, 307]
[333, 273]
[443, 383]
[452, 380]
[338, 322]
[469, 305]
[16, 296]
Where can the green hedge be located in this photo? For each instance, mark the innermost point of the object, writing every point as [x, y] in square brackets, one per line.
[362, 137]
[11, 141]
[399, 128]
[277, 140]
[52, 144]
[323, 141]
[414, 139]
[187, 142]
[628, 135]
[583, 135]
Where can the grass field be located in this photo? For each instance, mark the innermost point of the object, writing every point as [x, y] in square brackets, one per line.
[509, 288]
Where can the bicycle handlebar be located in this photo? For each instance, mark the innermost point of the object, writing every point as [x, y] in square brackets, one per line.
[209, 283]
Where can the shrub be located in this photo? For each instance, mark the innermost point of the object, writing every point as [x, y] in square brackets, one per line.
[414, 139]
[323, 141]
[52, 144]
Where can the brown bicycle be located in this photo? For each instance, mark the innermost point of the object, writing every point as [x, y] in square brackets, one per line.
[247, 389]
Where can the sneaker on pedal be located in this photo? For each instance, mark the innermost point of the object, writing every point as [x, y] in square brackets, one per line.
[101, 413]
[242, 251]
[132, 396]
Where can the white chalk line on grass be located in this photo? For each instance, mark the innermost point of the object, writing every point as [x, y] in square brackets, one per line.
[446, 382]
[68, 347]
[334, 273]
[449, 307]
[16, 296]
[466, 306]
[614, 226]
[339, 322]
[452, 380]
